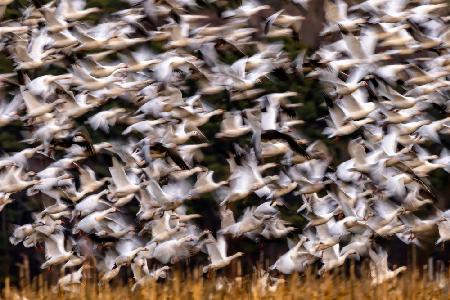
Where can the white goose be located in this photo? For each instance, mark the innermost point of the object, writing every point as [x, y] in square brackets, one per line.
[36, 108]
[332, 258]
[75, 10]
[337, 126]
[55, 251]
[13, 181]
[162, 229]
[355, 105]
[70, 281]
[205, 183]
[379, 269]
[93, 221]
[232, 126]
[8, 110]
[89, 204]
[295, 260]
[246, 224]
[173, 250]
[171, 195]
[122, 183]
[88, 183]
[217, 251]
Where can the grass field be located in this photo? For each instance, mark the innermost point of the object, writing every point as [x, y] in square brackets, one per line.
[412, 284]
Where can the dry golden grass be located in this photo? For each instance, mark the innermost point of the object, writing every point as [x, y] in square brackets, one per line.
[413, 284]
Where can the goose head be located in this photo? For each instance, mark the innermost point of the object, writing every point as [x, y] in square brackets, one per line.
[277, 202]
[103, 214]
[197, 133]
[349, 253]
[363, 84]
[402, 211]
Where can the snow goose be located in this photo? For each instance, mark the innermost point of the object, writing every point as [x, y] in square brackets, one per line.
[73, 10]
[93, 221]
[139, 60]
[9, 110]
[163, 71]
[57, 207]
[102, 120]
[232, 126]
[396, 116]
[360, 243]
[241, 185]
[426, 167]
[217, 251]
[282, 20]
[13, 181]
[393, 12]
[127, 248]
[205, 183]
[418, 227]
[387, 230]
[379, 269]
[443, 229]
[74, 261]
[387, 211]
[173, 250]
[70, 281]
[246, 10]
[432, 130]
[179, 136]
[336, 15]
[413, 200]
[55, 251]
[171, 195]
[363, 162]
[123, 42]
[107, 266]
[95, 69]
[337, 126]
[161, 272]
[355, 105]
[20, 233]
[276, 228]
[410, 127]
[4, 200]
[247, 223]
[161, 228]
[339, 87]
[44, 86]
[330, 233]
[116, 229]
[389, 144]
[85, 81]
[36, 108]
[395, 99]
[311, 174]
[192, 153]
[88, 183]
[122, 182]
[89, 204]
[79, 105]
[144, 127]
[34, 55]
[295, 260]
[332, 258]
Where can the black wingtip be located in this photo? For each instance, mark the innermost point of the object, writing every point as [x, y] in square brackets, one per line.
[343, 30]
[37, 3]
